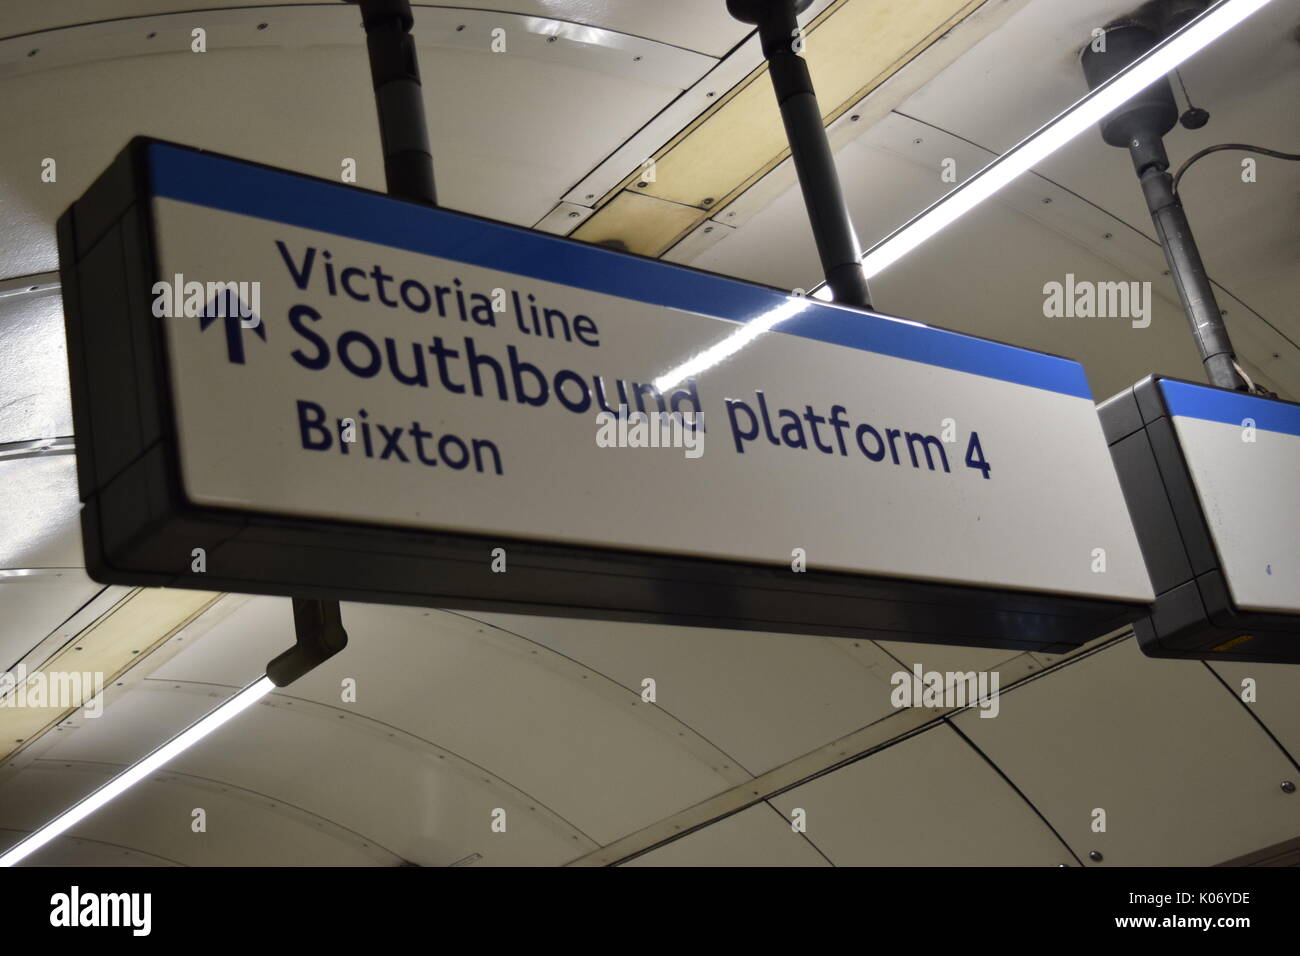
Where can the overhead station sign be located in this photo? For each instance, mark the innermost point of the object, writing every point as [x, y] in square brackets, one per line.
[1210, 475]
[327, 392]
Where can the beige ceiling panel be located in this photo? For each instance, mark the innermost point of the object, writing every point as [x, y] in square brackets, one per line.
[851, 48]
[98, 655]
[849, 51]
[641, 224]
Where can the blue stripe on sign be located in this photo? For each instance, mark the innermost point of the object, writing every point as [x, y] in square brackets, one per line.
[1231, 408]
[296, 200]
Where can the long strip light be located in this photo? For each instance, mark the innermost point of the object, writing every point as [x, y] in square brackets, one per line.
[138, 771]
[1083, 115]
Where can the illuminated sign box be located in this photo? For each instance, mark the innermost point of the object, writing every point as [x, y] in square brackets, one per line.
[336, 394]
[1211, 479]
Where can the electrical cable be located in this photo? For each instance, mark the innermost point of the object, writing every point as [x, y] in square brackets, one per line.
[1254, 387]
[1275, 153]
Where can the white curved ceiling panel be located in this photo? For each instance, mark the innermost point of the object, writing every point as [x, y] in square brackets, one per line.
[418, 802]
[762, 698]
[79, 851]
[1275, 693]
[156, 819]
[31, 606]
[985, 274]
[568, 736]
[691, 24]
[1184, 775]
[914, 804]
[510, 132]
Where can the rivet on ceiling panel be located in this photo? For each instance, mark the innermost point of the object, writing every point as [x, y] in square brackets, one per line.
[641, 224]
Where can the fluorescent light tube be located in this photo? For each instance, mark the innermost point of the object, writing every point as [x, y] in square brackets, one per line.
[1085, 114]
[1029, 152]
[138, 771]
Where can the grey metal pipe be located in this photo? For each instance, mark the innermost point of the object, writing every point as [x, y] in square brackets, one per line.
[1140, 125]
[1190, 279]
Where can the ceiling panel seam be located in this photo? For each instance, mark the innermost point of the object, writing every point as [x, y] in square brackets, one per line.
[753, 796]
[1253, 716]
[1015, 789]
[802, 833]
[64, 622]
[194, 779]
[85, 839]
[761, 797]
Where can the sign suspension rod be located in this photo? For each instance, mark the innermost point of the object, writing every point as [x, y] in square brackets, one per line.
[837, 244]
[408, 171]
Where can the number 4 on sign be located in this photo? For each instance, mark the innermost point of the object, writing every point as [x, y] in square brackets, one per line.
[975, 455]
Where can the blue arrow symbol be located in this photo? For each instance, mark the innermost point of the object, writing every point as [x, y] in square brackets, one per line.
[234, 324]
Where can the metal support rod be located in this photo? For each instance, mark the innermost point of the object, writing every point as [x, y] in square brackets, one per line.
[1140, 125]
[399, 99]
[837, 244]
[1188, 272]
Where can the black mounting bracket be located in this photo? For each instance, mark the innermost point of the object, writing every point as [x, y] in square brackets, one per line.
[318, 627]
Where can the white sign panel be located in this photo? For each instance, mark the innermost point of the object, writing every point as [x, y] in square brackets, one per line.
[415, 368]
[1243, 454]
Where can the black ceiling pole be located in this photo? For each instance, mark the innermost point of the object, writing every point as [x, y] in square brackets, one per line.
[837, 245]
[408, 171]
[1140, 125]
[399, 99]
